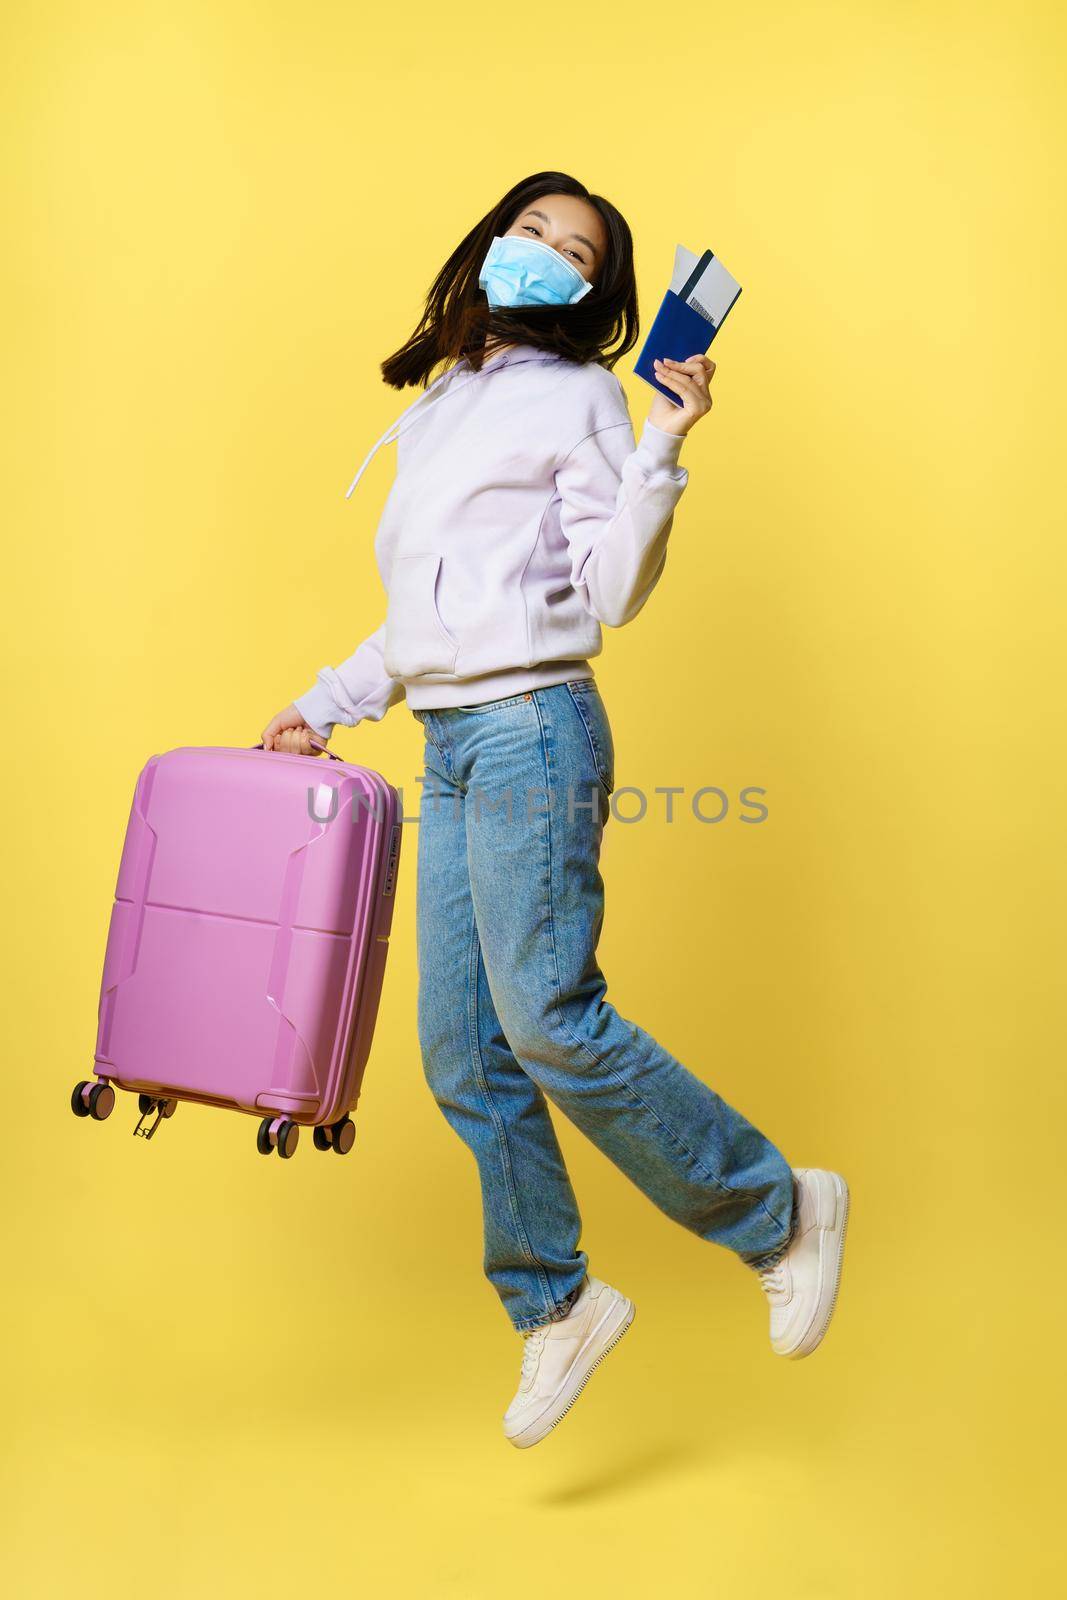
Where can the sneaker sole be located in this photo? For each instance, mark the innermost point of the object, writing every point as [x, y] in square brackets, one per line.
[814, 1335]
[534, 1432]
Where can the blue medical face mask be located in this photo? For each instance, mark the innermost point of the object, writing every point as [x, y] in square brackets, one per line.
[521, 271]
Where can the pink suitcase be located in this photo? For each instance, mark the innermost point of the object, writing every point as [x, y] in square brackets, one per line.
[248, 942]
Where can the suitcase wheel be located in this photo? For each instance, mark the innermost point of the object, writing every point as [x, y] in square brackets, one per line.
[344, 1135]
[339, 1136]
[278, 1133]
[97, 1101]
[156, 1107]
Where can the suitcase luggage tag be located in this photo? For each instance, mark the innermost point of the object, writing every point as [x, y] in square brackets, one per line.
[692, 311]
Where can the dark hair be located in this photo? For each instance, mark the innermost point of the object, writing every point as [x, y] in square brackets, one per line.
[457, 319]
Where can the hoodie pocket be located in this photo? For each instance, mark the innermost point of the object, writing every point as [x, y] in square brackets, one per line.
[416, 640]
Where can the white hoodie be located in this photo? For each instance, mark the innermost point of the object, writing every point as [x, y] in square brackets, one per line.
[522, 516]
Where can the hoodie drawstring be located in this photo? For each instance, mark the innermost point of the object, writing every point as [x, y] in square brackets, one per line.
[419, 407]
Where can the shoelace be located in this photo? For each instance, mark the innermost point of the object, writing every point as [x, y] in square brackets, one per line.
[533, 1344]
[773, 1280]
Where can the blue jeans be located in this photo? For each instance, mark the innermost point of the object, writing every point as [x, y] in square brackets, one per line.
[512, 1010]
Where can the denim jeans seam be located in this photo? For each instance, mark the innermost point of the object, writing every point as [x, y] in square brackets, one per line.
[491, 705]
[594, 747]
[770, 1258]
[581, 1043]
[498, 1121]
[429, 734]
[560, 1310]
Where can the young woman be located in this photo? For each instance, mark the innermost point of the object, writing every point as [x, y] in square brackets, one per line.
[522, 517]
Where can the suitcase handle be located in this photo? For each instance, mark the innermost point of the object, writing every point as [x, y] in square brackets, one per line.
[320, 744]
[313, 738]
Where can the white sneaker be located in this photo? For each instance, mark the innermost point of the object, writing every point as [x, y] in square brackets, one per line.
[802, 1288]
[558, 1358]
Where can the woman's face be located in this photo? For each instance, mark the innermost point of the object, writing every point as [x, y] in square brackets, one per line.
[571, 226]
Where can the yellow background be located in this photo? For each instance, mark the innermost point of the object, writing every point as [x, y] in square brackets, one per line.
[232, 1376]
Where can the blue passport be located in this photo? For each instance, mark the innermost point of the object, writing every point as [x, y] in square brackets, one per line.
[700, 298]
